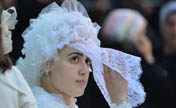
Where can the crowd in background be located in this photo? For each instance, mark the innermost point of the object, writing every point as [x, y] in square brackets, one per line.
[159, 76]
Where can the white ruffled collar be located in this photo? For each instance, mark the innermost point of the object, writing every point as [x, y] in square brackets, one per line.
[47, 100]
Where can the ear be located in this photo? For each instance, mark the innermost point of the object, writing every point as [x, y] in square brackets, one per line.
[47, 65]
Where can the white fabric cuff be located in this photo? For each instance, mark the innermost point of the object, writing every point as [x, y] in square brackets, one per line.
[123, 105]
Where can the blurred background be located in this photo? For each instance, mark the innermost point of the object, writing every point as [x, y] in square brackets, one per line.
[159, 77]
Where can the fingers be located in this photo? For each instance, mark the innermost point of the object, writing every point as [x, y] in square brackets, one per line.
[116, 85]
[105, 72]
[108, 71]
[110, 74]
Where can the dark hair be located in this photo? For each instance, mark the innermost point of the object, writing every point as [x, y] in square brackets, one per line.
[5, 62]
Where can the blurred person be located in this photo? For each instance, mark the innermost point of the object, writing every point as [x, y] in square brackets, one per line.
[14, 91]
[167, 52]
[168, 28]
[102, 5]
[126, 29]
[149, 9]
[166, 55]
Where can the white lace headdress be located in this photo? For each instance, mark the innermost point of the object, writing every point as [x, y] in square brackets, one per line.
[70, 25]
[8, 21]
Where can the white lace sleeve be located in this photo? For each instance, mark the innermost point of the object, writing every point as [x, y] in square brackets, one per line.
[123, 105]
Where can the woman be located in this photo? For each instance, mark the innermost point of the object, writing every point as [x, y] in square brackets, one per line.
[128, 27]
[61, 48]
[14, 92]
[167, 28]
[166, 57]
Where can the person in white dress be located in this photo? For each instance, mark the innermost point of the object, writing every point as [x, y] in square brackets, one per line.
[14, 91]
[61, 48]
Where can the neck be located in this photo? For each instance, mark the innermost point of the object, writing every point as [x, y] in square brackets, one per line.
[67, 99]
[49, 87]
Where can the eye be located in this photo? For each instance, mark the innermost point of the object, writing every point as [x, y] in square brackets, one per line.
[74, 59]
[88, 62]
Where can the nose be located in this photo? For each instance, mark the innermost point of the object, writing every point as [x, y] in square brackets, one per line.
[84, 69]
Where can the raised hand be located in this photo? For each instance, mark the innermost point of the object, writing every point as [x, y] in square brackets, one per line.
[116, 85]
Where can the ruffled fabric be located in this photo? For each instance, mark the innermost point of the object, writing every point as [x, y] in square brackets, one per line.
[123, 105]
[46, 100]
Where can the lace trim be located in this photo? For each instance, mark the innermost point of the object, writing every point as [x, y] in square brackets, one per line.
[47, 100]
[123, 105]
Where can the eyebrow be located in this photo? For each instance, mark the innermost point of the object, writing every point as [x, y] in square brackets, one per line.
[75, 53]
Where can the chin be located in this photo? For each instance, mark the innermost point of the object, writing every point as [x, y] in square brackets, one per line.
[78, 93]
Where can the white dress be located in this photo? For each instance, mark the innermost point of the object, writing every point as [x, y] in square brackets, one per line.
[47, 100]
[14, 91]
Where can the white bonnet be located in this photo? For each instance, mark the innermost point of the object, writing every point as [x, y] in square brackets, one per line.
[54, 27]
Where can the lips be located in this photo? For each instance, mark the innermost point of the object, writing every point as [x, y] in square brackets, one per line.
[81, 82]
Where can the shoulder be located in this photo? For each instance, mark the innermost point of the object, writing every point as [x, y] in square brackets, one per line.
[10, 73]
[15, 89]
[14, 79]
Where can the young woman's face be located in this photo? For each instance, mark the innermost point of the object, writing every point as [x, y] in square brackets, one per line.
[70, 72]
